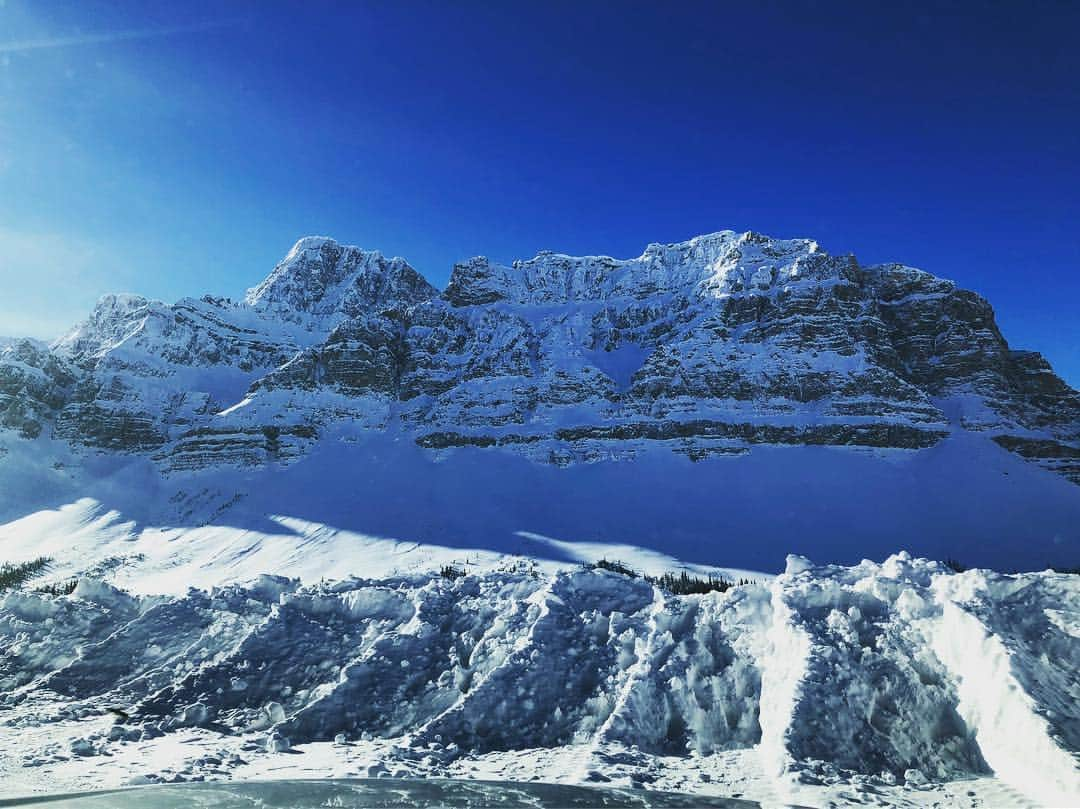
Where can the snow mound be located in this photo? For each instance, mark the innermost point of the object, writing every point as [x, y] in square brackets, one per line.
[902, 680]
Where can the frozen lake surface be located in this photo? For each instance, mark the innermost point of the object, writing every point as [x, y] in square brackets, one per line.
[372, 792]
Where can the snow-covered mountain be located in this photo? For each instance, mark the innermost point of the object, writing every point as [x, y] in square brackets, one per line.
[724, 400]
[709, 346]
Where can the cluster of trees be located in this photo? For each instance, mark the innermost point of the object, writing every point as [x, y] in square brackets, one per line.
[681, 583]
[17, 574]
[60, 588]
[678, 584]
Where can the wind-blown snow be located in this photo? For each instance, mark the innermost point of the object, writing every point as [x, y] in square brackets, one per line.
[900, 683]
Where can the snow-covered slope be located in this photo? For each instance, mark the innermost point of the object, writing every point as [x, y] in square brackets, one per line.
[899, 683]
[723, 400]
[378, 505]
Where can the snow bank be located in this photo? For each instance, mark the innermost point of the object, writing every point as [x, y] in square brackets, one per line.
[1016, 673]
[896, 678]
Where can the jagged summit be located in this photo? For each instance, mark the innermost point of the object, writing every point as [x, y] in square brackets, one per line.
[318, 271]
[716, 263]
[321, 277]
[110, 322]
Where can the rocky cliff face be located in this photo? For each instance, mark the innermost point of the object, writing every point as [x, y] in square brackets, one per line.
[707, 347]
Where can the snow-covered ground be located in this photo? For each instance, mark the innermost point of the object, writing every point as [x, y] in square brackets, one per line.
[374, 506]
[897, 683]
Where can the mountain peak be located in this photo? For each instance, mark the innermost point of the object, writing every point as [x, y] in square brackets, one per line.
[111, 320]
[305, 243]
[319, 276]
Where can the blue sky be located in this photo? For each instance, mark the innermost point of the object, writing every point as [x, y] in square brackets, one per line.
[176, 149]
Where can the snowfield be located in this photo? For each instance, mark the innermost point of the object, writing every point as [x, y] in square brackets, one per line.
[900, 683]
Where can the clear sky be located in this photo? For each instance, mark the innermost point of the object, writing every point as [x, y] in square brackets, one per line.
[176, 149]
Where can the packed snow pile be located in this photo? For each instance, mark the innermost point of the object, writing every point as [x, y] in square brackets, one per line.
[901, 683]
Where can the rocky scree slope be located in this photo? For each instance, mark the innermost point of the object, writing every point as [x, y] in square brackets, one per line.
[707, 347]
